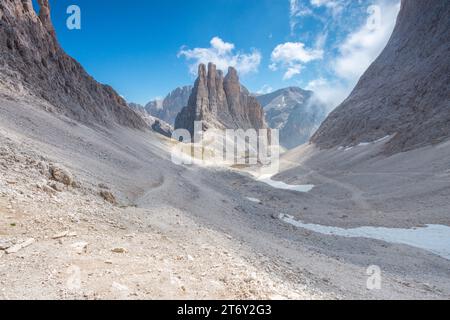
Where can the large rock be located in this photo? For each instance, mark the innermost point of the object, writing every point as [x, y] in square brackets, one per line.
[108, 196]
[295, 112]
[406, 92]
[33, 63]
[61, 174]
[44, 14]
[221, 103]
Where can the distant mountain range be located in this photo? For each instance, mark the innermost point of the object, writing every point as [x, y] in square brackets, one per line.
[292, 110]
[295, 112]
[168, 108]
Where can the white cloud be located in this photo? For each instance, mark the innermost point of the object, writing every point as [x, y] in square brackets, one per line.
[297, 10]
[265, 89]
[295, 52]
[223, 55]
[356, 52]
[329, 93]
[221, 46]
[292, 56]
[364, 45]
[321, 40]
[292, 71]
[315, 84]
[336, 6]
[318, 3]
[273, 67]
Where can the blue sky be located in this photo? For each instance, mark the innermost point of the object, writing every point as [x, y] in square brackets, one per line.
[144, 49]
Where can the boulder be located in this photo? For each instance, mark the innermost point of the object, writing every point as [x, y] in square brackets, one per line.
[61, 174]
[119, 250]
[108, 196]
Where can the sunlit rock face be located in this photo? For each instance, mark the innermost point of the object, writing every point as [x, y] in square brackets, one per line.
[221, 103]
[33, 63]
[405, 93]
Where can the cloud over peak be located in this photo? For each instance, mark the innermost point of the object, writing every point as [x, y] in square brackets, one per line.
[291, 56]
[363, 46]
[223, 55]
[356, 52]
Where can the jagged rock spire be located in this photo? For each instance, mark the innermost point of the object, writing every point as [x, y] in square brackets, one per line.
[44, 16]
[220, 103]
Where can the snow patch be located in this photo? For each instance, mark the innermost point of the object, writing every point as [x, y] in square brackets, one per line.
[364, 144]
[433, 238]
[267, 179]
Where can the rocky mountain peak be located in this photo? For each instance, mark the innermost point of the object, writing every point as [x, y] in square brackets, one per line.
[232, 75]
[44, 14]
[295, 112]
[32, 64]
[168, 108]
[220, 102]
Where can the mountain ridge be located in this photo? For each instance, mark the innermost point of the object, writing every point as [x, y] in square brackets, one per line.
[405, 93]
[33, 63]
[168, 108]
[295, 112]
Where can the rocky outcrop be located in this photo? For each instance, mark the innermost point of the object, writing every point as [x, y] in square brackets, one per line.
[61, 175]
[32, 63]
[405, 93]
[294, 112]
[157, 125]
[108, 196]
[168, 108]
[44, 15]
[220, 102]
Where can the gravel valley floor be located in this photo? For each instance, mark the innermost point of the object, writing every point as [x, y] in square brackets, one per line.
[190, 232]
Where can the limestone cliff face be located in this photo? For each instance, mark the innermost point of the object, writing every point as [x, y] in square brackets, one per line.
[406, 91]
[220, 102]
[33, 63]
[168, 109]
